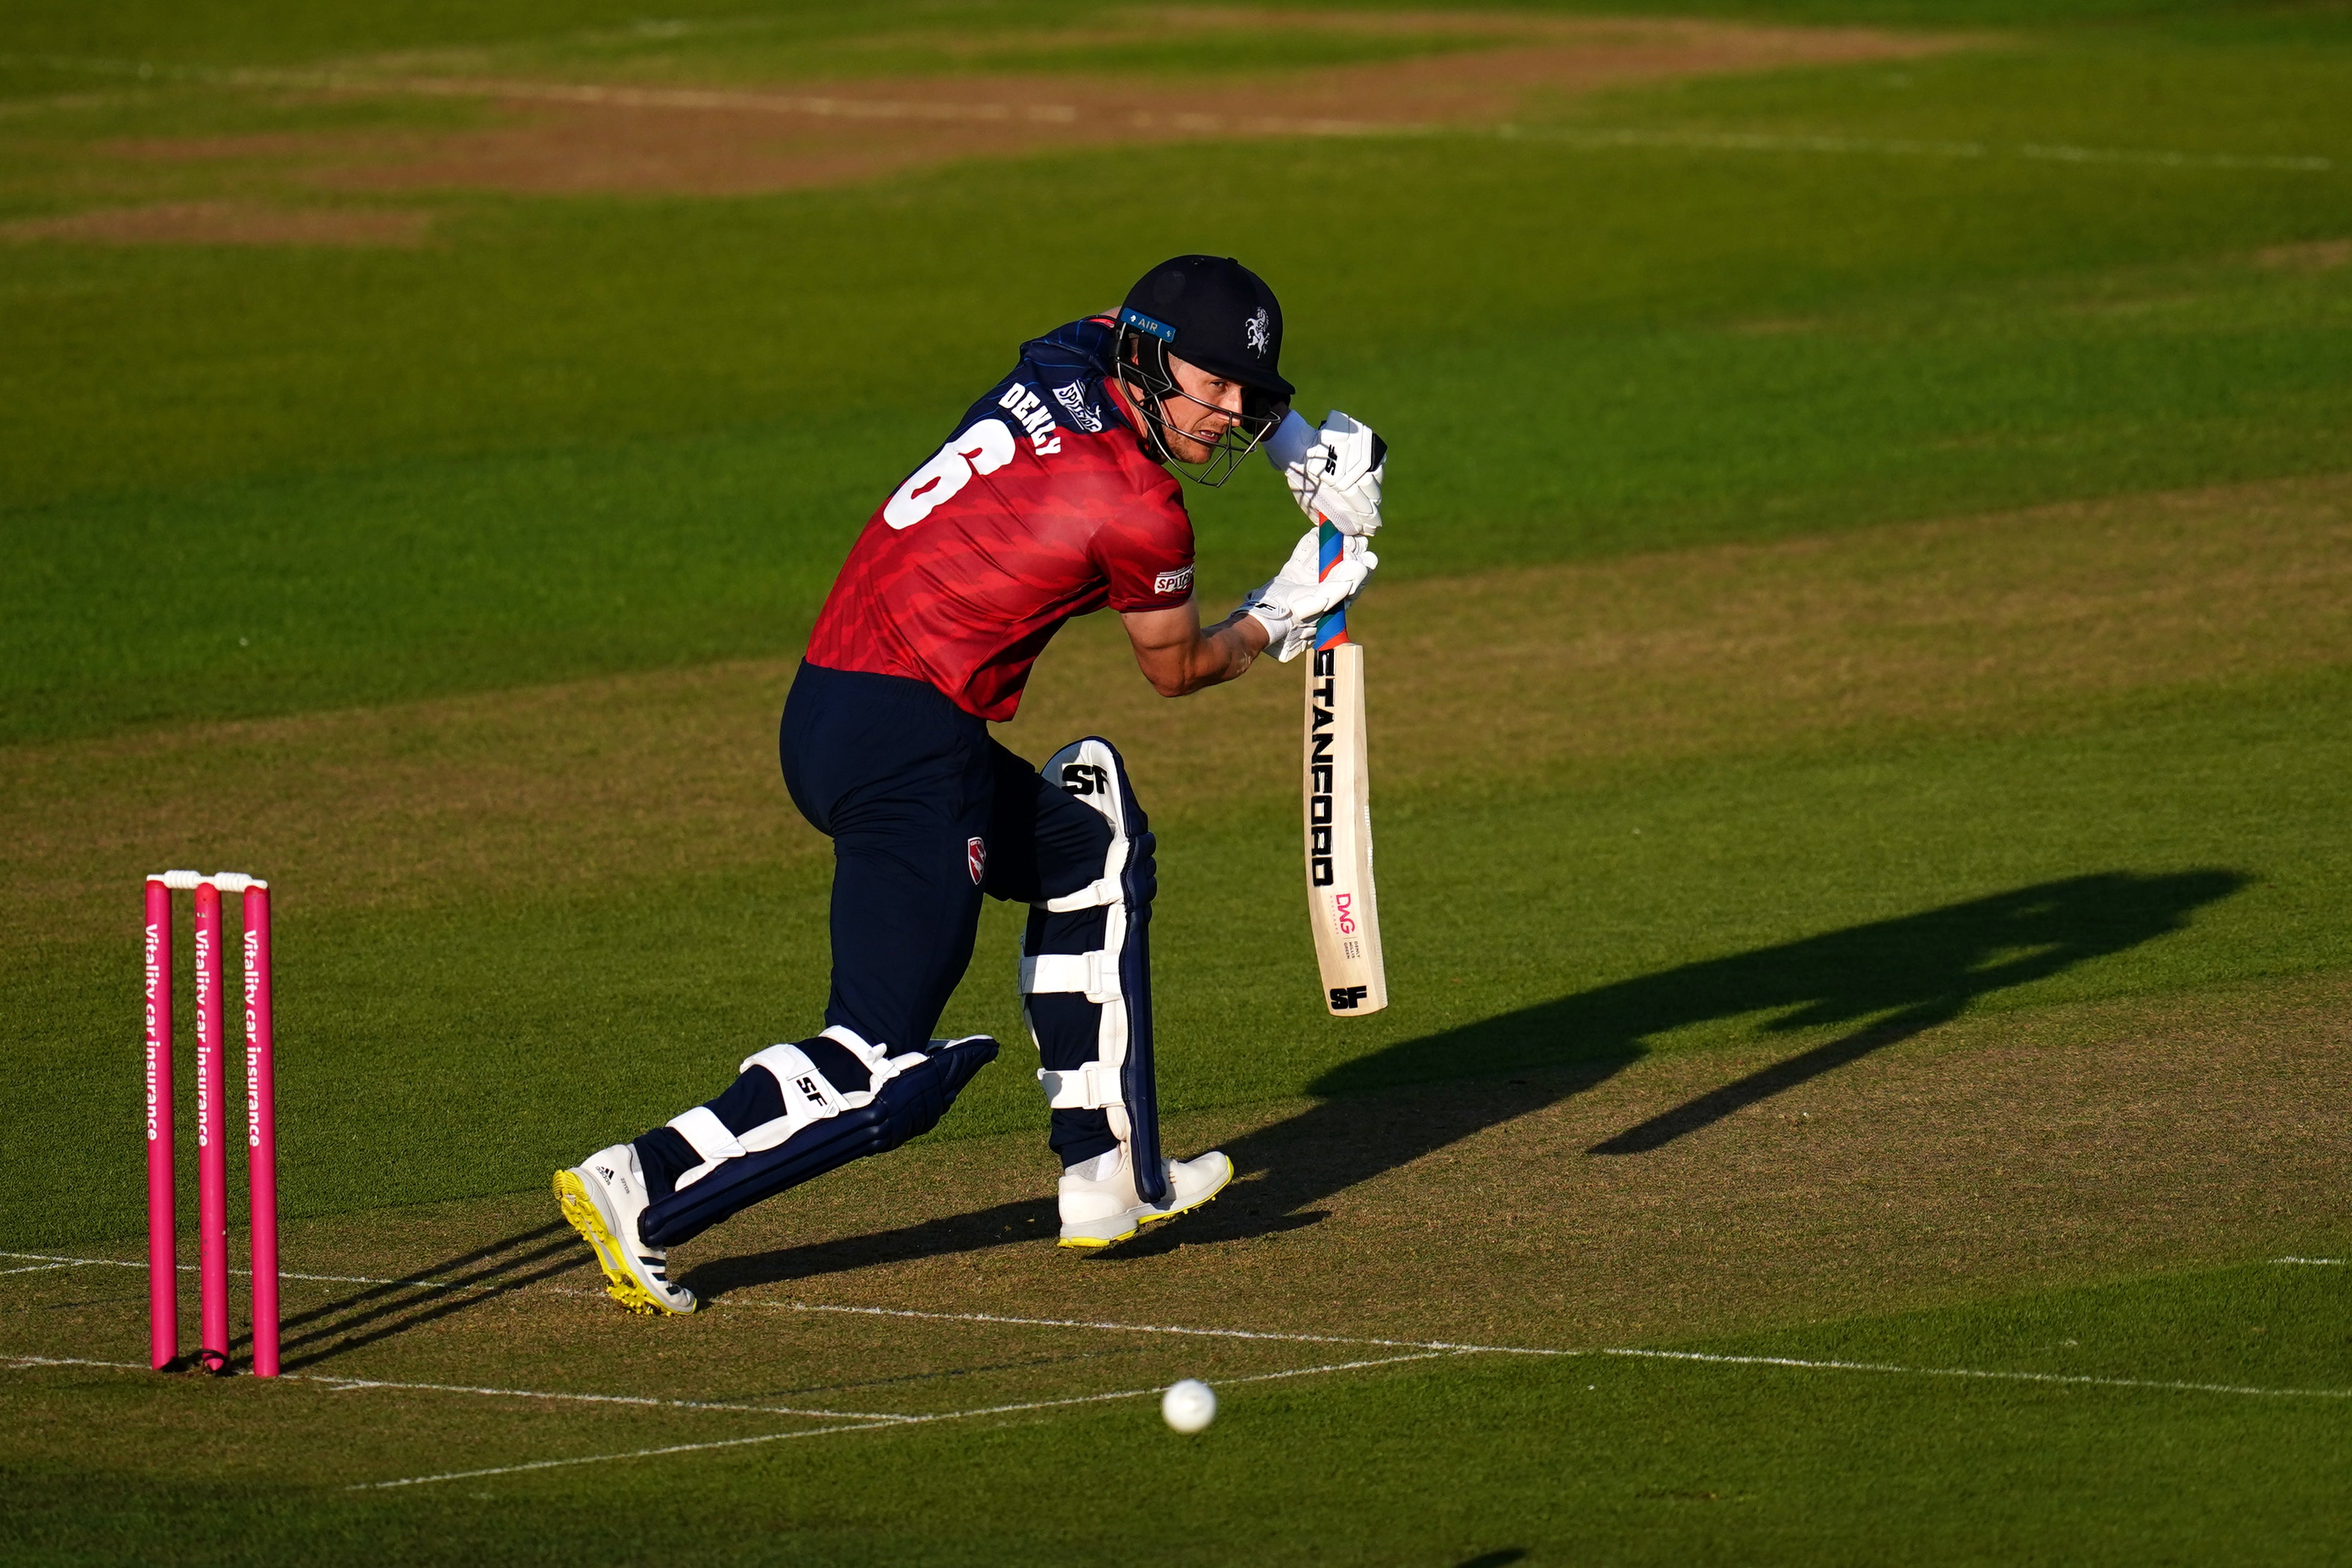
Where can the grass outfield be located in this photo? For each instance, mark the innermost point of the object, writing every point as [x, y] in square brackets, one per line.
[1858, 680]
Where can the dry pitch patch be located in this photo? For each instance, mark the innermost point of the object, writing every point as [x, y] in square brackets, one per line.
[660, 116]
[2075, 1144]
[1991, 1154]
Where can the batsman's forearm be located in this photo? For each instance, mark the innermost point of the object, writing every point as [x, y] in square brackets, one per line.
[1178, 655]
[1224, 651]
[1215, 655]
[1244, 636]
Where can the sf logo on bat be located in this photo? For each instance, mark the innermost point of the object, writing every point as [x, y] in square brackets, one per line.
[1342, 906]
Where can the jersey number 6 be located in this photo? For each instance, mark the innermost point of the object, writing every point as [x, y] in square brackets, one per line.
[983, 449]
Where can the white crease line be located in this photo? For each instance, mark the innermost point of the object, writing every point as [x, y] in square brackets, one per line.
[870, 1426]
[347, 1384]
[418, 1282]
[706, 99]
[36, 1268]
[1429, 1347]
[599, 1458]
[1135, 1328]
[1443, 1346]
[2328, 1263]
[340, 1385]
[1973, 1373]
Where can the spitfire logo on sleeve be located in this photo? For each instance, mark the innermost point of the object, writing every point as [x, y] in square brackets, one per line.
[1083, 413]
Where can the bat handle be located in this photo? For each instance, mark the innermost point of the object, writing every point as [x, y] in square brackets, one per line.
[1332, 628]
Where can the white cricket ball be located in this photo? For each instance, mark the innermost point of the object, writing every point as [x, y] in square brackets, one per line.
[1189, 1405]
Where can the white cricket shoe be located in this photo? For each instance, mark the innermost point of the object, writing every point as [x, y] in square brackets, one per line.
[601, 1197]
[1101, 1206]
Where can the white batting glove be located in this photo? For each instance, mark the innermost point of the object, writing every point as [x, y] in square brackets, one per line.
[1333, 473]
[1289, 603]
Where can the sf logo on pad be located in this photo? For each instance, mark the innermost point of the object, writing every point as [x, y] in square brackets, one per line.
[1086, 779]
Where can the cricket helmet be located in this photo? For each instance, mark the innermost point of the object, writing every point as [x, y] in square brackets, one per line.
[1213, 312]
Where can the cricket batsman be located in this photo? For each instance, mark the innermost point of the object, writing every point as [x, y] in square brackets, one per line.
[1055, 496]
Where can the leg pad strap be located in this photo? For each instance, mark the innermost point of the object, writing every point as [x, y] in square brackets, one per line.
[906, 1105]
[708, 1136]
[1093, 896]
[1094, 974]
[1089, 1088]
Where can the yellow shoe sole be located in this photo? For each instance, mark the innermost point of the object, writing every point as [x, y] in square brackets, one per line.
[1095, 1243]
[580, 1210]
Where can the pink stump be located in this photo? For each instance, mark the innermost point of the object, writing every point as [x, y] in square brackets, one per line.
[261, 1129]
[212, 1154]
[163, 1240]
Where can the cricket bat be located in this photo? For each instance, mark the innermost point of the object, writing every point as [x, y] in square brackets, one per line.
[1339, 900]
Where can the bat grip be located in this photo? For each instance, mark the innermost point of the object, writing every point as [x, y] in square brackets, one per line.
[1332, 628]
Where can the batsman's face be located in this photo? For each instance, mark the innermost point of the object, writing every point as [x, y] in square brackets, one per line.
[1203, 408]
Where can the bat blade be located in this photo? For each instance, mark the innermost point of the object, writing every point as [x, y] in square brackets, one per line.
[1341, 901]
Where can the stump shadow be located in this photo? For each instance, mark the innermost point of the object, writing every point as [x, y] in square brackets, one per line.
[1888, 979]
[386, 1309]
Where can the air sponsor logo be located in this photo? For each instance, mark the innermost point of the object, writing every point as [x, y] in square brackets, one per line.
[1172, 581]
[1319, 772]
[1082, 413]
[975, 858]
[1030, 409]
[1129, 316]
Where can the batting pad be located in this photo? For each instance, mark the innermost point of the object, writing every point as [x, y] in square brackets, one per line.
[1086, 968]
[905, 1106]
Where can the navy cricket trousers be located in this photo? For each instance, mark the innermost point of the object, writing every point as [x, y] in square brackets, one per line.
[927, 812]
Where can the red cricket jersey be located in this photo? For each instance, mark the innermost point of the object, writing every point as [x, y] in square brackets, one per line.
[1043, 506]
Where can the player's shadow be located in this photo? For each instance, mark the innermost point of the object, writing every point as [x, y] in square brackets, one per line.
[1887, 980]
